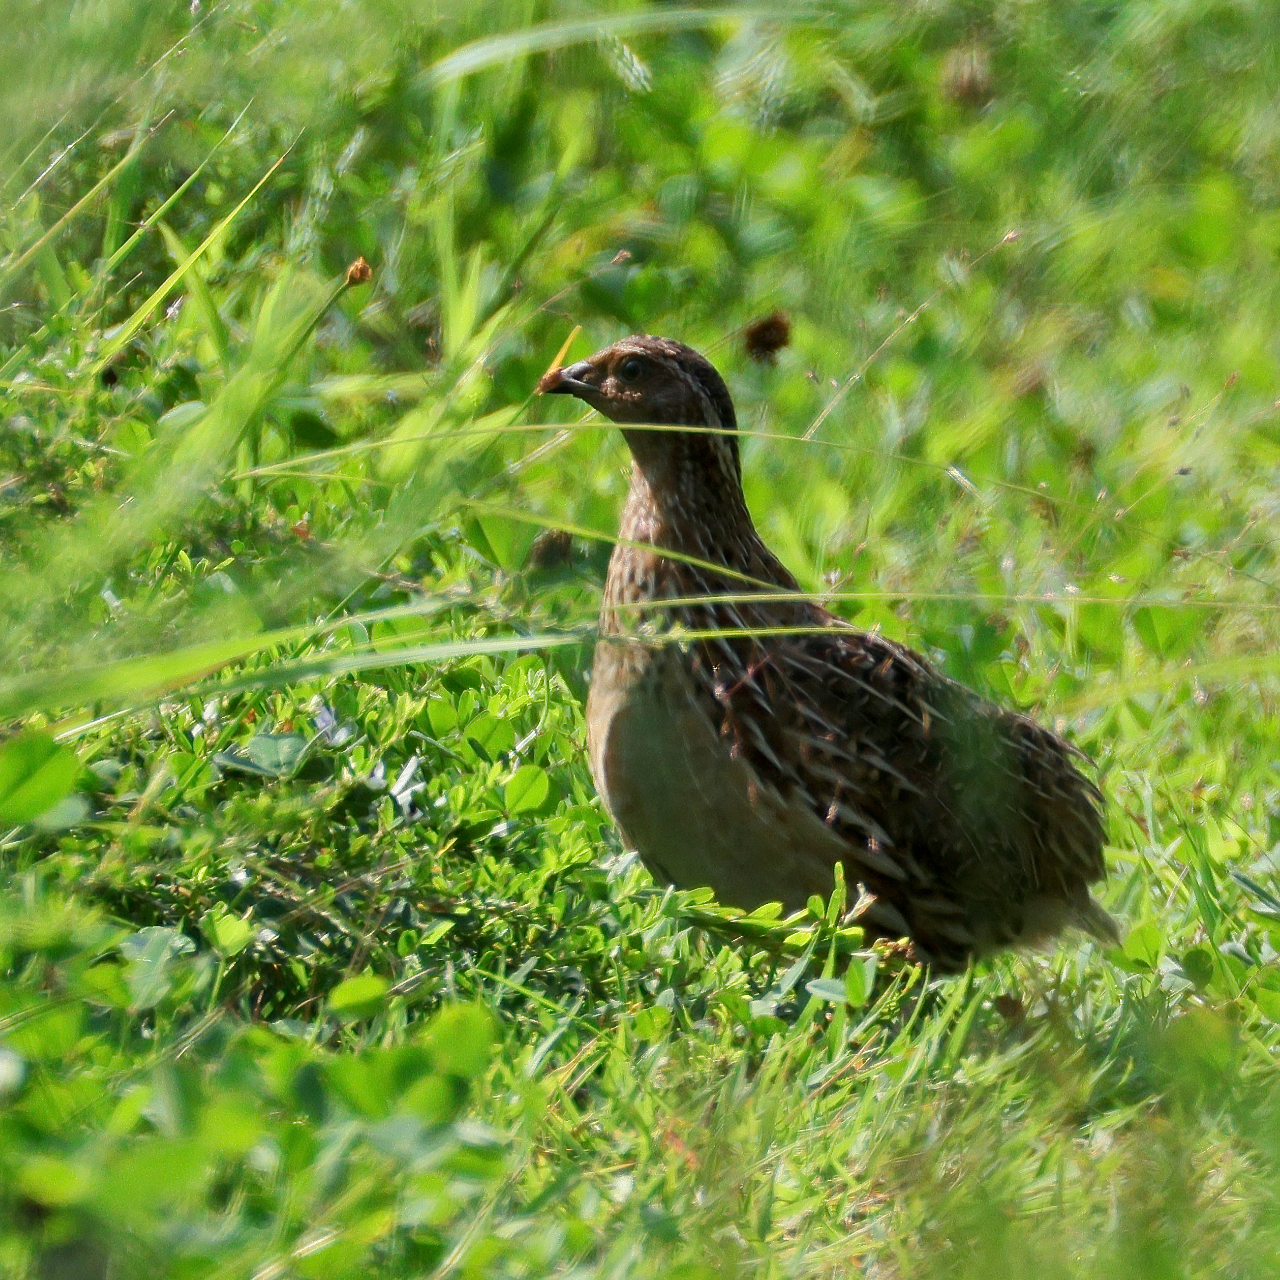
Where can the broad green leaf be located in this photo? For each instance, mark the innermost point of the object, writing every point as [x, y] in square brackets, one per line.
[1199, 1052]
[490, 736]
[1268, 1002]
[461, 1037]
[151, 953]
[435, 1099]
[830, 989]
[50, 1035]
[1168, 631]
[1144, 944]
[1100, 627]
[149, 1176]
[267, 755]
[528, 789]
[442, 715]
[228, 934]
[1197, 964]
[277, 753]
[361, 1082]
[51, 1181]
[358, 997]
[70, 811]
[859, 980]
[35, 774]
[104, 984]
[650, 1023]
[230, 1125]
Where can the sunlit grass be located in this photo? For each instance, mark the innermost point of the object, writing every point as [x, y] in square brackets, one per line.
[296, 762]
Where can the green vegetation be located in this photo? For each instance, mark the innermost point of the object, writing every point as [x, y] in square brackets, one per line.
[318, 956]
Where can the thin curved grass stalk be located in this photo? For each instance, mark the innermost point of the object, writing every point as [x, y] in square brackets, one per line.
[140, 680]
[401, 384]
[493, 51]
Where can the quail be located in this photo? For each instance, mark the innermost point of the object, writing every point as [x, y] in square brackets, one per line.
[745, 738]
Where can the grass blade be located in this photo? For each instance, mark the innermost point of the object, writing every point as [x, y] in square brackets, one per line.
[494, 51]
[126, 331]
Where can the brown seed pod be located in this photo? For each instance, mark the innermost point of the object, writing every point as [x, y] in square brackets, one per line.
[359, 272]
[764, 338]
[966, 76]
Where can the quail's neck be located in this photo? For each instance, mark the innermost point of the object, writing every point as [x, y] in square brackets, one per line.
[704, 519]
[677, 508]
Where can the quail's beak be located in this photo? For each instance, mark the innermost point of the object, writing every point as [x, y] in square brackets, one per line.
[573, 380]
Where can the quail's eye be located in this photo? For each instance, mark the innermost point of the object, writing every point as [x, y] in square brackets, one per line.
[631, 369]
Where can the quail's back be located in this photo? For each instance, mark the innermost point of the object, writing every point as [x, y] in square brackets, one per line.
[747, 739]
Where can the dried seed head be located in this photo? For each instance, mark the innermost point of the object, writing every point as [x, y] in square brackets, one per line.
[359, 272]
[764, 338]
[966, 76]
[551, 549]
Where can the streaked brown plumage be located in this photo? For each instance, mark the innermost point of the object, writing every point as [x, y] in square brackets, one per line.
[753, 763]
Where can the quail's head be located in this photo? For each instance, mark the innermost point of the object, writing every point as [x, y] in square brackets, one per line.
[659, 382]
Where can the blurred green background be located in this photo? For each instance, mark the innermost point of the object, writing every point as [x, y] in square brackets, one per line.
[318, 956]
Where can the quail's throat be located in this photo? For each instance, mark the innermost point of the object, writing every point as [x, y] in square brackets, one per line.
[688, 504]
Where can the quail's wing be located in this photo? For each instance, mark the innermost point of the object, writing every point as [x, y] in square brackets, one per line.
[945, 787]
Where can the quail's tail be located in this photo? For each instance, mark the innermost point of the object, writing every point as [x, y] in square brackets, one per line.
[1097, 923]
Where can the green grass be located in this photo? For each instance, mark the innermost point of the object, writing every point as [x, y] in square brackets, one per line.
[318, 954]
